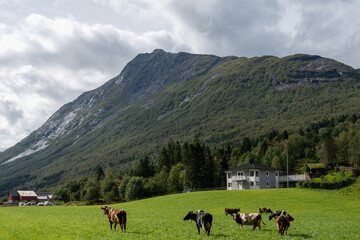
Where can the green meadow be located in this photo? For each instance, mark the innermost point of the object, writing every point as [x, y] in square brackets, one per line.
[319, 214]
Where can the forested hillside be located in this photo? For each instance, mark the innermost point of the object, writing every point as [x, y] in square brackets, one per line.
[333, 142]
[162, 96]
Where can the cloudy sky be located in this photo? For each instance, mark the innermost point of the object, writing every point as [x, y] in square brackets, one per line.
[51, 51]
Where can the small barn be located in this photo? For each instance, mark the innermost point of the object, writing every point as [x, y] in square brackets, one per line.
[44, 196]
[13, 197]
[315, 170]
[26, 196]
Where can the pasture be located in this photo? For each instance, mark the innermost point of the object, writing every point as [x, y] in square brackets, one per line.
[319, 214]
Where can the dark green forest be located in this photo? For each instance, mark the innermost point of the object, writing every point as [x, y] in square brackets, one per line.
[333, 142]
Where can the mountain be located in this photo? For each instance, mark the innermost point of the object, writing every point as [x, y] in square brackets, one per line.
[358, 70]
[160, 95]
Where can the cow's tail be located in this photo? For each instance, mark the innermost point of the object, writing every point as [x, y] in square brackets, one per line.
[259, 217]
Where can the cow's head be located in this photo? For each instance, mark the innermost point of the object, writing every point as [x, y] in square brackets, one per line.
[290, 218]
[106, 210]
[189, 216]
[237, 217]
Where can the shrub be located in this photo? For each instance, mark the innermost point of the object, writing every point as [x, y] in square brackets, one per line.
[134, 189]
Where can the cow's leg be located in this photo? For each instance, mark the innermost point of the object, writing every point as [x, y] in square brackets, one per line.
[115, 225]
[110, 225]
[198, 227]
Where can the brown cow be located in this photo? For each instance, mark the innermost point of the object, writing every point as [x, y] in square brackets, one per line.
[264, 210]
[283, 223]
[231, 211]
[248, 219]
[116, 216]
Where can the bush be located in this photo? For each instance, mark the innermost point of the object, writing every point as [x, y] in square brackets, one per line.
[134, 189]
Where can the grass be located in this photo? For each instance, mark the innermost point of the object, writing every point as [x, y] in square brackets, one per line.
[319, 214]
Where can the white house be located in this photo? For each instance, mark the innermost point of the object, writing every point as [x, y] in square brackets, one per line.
[252, 176]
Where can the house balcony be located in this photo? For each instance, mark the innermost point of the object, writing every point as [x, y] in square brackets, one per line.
[239, 178]
[292, 178]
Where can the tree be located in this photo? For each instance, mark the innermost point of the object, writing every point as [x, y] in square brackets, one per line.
[354, 143]
[62, 194]
[246, 145]
[92, 194]
[134, 189]
[99, 174]
[164, 160]
[109, 189]
[209, 169]
[175, 182]
[145, 169]
[327, 148]
[122, 188]
[195, 163]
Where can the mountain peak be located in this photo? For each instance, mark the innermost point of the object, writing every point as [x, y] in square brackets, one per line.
[158, 51]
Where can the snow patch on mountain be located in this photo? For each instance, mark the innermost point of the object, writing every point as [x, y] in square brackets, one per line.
[42, 144]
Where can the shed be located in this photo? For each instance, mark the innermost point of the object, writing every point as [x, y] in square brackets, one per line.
[315, 170]
[44, 196]
[13, 197]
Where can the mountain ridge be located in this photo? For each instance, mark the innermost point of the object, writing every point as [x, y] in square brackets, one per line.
[162, 95]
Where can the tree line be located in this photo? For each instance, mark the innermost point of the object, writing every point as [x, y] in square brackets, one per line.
[194, 164]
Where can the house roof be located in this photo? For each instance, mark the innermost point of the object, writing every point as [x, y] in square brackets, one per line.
[251, 166]
[27, 193]
[316, 166]
[43, 194]
[14, 193]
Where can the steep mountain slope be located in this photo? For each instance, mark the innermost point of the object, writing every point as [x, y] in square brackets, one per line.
[161, 95]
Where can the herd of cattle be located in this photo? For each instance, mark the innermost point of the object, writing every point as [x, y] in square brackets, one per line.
[204, 220]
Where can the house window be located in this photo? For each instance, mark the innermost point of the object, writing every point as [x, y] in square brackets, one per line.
[240, 174]
[251, 173]
[251, 183]
[267, 183]
[229, 175]
[229, 185]
[267, 173]
[277, 174]
[257, 183]
[257, 173]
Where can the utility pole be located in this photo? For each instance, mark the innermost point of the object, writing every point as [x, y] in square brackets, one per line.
[287, 165]
[286, 151]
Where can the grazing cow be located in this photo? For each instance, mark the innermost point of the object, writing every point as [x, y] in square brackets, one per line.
[248, 219]
[231, 211]
[264, 210]
[116, 216]
[283, 223]
[276, 214]
[202, 219]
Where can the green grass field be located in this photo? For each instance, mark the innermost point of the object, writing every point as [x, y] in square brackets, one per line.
[319, 214]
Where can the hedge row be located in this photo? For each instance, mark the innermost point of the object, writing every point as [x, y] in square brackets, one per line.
[326, 185]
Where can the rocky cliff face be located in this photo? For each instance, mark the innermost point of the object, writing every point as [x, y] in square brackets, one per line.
[157, 96]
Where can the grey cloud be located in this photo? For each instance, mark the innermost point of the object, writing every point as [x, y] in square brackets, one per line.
[10, 111]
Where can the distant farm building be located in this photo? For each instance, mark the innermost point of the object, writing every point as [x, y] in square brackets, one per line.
[315, 170]
[257, 176]
[13, 197]
[22, 196]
